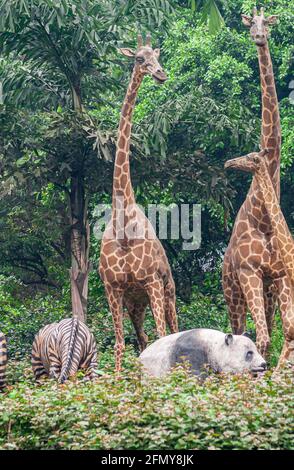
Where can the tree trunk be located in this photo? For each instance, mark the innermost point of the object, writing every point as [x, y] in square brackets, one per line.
[80, 241]
[80, 231]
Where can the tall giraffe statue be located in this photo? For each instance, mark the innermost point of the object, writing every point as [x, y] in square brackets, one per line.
[253, 270]
[133, 265]
[256, 163]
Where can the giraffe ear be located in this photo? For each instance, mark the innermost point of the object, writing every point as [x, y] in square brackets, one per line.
[229, 339]
[127, 52]
[272, 19]
[246, 20]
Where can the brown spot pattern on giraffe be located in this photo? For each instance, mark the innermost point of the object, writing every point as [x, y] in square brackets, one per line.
[135, 271]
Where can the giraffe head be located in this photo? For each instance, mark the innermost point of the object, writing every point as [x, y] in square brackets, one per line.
[250, 163]
[146, 59]
[258, 25]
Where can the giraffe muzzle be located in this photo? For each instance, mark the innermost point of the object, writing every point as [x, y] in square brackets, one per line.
[230, 164]
[259, 41]
[159, 77]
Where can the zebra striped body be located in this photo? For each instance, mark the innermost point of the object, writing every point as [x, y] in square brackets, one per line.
[60, 349]
[3, 360]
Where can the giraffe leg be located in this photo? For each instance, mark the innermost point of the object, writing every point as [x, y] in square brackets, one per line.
[137, 315]
[155, 293]
[115, 301]
[236, 304]
[270, 303]
[286, 303]
[252, 286]
[170, 308]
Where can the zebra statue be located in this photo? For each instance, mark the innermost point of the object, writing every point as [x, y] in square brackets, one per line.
[60, 349]
[3, 360]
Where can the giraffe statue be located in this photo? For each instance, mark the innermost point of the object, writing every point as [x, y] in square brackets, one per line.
[133, 265]
[256, 163]
[253, 270]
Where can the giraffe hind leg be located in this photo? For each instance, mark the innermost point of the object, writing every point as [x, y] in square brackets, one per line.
[157, 303]
[286, 304]
[137, 315]
[270, 303]
[170, 309]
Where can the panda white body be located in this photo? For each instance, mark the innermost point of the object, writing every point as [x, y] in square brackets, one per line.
[202, 347]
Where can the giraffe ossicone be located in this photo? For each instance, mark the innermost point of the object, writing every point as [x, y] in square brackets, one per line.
[135, 270]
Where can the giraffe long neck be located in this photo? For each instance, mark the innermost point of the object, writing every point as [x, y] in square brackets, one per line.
[271, 128]
[122, 185]
[278, 222]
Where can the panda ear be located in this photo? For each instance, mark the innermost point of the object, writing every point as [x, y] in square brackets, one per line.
[247, 334]
[229, 339]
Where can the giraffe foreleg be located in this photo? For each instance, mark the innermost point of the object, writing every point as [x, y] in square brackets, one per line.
[252, 286]
[236, 304]
[115, 301]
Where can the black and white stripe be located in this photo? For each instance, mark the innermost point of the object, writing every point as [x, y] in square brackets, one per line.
[3, 360]
[60, 349]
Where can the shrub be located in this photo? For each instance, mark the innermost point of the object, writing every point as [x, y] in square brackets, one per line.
[178, 412]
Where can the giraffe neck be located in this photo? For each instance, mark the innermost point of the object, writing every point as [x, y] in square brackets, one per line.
[277, 219]
[271, 129]
[122, 185]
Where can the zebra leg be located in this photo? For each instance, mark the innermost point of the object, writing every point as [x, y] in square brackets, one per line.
[3, 360]
[37, 364]
[55, 365]
[91, 363]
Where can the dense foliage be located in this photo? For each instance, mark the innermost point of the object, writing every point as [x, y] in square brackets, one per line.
[207, 112]
[135, 413]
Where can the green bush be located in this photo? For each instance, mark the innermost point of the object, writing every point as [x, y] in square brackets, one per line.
[224, 412]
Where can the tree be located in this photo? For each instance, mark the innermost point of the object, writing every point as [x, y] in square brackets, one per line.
[56, 46]
[210, 13]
